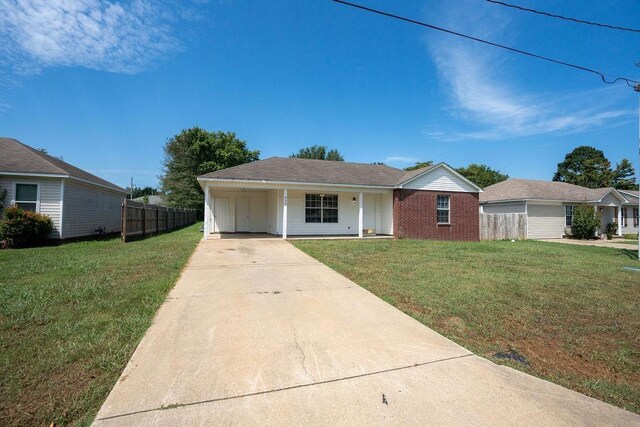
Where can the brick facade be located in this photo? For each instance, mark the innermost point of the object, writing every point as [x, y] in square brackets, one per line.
[414, 215]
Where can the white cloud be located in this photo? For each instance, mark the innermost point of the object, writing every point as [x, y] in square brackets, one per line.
[122, 37]
[486, 97]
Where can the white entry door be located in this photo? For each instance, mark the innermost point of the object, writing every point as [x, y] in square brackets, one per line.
[242, 215]
[369, 206]
[221, 215]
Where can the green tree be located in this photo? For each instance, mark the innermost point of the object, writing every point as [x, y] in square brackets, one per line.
[318, 152]
[624, 176]
[482, 175]
[194, 152]
[585, 166]
[139, 192]
[585, 221]
[419, 165]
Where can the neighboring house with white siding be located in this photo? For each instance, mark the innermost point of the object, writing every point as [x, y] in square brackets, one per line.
[298, 197]
[630, 212]
[77, 202]
[549, 205]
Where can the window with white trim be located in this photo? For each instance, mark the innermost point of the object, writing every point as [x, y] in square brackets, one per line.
[443, 209]
[27, 197]
[624, 217]
[568, 215]
[321, 208]
[635, 217]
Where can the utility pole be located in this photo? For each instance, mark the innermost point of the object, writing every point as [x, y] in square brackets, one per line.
[131, 190]
[637, 89]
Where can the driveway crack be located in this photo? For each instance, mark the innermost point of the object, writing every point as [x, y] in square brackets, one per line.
[304, 356]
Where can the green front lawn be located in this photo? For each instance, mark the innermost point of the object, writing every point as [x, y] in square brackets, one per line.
[572, 311]
[72, 315]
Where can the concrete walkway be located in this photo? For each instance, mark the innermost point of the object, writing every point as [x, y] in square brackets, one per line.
[257, 332]
[596, 242]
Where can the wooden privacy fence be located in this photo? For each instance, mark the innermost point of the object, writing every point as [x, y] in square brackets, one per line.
[503, 226]
[140, 219]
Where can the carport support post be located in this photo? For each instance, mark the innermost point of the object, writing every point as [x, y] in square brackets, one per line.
[207, 211]
[284, 214]
[360, 216]
[619, 209]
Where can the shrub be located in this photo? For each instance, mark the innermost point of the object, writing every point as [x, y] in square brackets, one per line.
[20, 228]
[611, 229]
[585, 222]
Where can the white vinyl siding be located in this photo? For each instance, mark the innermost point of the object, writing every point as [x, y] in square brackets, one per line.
[507, 207]
[439, 179]
[258, 217]
[386, 214]
[87, 207]
[631, 227]
[49, 197]
[545, 221]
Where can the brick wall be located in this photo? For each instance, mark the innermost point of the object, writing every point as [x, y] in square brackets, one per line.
[414, 215]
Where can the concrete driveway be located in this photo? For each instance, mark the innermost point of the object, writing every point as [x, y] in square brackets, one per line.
[257, 332]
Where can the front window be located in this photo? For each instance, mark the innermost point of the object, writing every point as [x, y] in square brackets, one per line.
[635, 217]
[27, 197]
[568, 215]
[624, 217]
[443, 209]
[321, 208]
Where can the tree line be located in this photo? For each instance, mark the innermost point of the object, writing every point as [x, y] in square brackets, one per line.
[195, 152]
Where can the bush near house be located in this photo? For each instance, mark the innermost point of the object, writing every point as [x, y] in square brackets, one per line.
[20, 228]
[585, 222]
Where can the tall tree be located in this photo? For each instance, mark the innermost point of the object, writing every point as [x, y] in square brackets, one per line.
[482, 175]
[419, 165]
[624, 176]
[318, 152]
[585, 166]
[194, 152]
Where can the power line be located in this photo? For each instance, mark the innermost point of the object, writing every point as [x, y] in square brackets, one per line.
[566, 18]
[612, 79]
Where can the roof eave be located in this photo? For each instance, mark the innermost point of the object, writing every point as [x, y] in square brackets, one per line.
[202, 179]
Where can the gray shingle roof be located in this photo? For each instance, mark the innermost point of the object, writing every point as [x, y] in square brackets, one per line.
[284, 169]
[19, 158]
[529, 189]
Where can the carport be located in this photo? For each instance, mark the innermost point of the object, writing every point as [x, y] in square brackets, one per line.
[297, 209]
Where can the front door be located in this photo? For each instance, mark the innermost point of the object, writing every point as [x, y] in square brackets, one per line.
[221, 215]
[242, 215]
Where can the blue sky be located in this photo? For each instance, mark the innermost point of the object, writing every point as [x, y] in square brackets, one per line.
[105, 83]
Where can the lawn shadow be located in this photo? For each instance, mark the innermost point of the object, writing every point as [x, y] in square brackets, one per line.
[629, 253]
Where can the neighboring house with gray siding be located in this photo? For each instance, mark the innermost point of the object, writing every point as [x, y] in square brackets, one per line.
[549, 205]
[77, 202]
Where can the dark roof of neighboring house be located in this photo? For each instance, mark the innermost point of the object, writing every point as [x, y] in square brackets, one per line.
[154, 199]
[19, 158]
[291, 169]
[529, 189]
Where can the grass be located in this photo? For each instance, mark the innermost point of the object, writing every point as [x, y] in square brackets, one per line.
[572, 311]
[72, 315]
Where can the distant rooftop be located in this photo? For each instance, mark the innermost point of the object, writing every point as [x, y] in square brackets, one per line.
[18, 158]
[529, 189]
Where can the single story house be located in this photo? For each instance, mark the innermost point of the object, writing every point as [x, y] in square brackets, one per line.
[630, 211]
[301, 197]
[549, 205]
[153, 199]
[78, 203]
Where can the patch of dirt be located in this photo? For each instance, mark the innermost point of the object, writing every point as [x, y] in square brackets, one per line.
[549, 356]
[43, 402]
